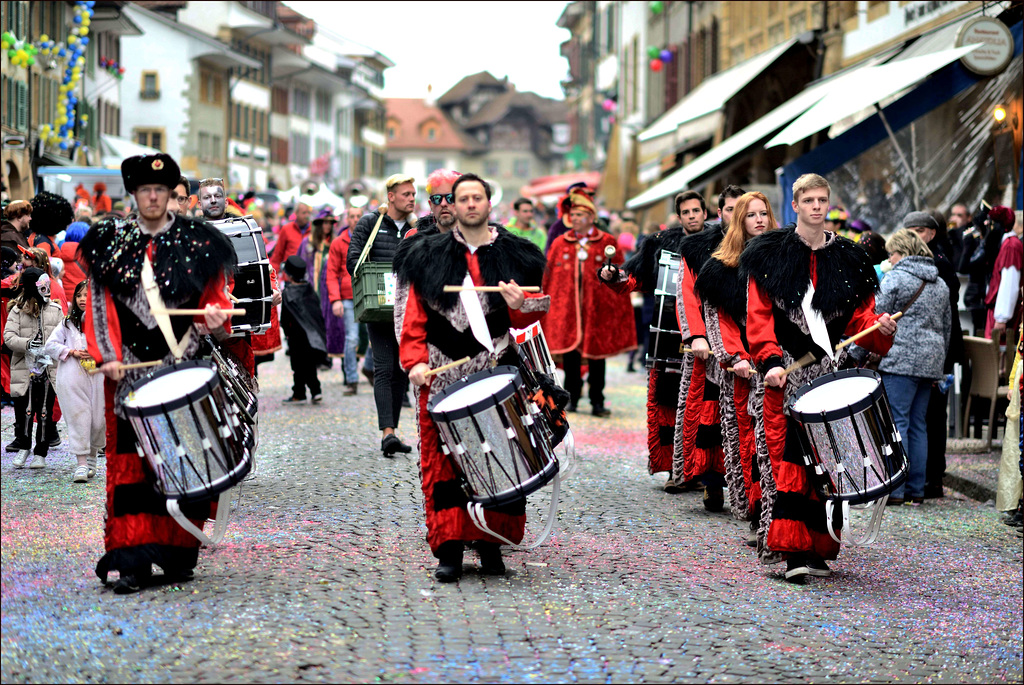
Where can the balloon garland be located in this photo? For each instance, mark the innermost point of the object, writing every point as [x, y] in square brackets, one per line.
[70, 54]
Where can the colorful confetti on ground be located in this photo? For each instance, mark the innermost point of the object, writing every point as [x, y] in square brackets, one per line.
[325, 576]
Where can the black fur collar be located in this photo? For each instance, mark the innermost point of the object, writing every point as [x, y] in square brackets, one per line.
[188, 255]
[721, 287]
[779, 261]
[439, 259]
[646, 261]
[697, 247]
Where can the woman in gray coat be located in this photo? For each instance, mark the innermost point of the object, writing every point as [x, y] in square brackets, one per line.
[915, 360]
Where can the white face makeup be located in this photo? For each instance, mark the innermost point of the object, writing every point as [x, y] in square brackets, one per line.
[211, 198]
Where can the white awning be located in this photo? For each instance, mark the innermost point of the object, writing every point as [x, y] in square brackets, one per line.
[863, 88]
[115, 150]
[713, 92]
[731, 147]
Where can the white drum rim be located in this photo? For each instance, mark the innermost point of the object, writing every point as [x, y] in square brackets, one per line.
[854, 407]
[177, 402]
[480, 405]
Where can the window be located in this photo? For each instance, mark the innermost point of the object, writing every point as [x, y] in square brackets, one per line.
[300, 103]
[278, 150]
[491, 168]
[433, 165]
[776, 34]
[204, 146]
[393, 166]
[210, 87]
[323, 106]
[216, 148]
[344, 122]
[299, 149]
[322, 147]
[279, 100]
[522, 168]
[150, 86]
[797, 23]
[392, 132]
[153, 137]
[431, 133]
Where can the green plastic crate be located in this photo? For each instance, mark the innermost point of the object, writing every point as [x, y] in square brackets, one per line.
[373, 292]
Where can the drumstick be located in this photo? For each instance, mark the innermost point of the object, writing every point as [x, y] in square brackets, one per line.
[854, 338]
[457, 362]
[197, 312]
[136, 365]
[233, 298]
[488, 288]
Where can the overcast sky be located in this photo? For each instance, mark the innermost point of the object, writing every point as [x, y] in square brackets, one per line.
[437, 43]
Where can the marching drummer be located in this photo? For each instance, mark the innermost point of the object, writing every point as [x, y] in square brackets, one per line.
[141, 268]
[440, 327]
[807, 287]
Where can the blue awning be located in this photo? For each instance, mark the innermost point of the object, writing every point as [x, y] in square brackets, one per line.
[941, 87]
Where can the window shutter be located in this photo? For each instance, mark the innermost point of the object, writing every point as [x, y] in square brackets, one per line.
[22, 116]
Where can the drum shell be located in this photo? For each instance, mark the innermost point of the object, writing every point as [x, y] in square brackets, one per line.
[856, 451]
[533, 349]
[519, 460]
[214, 455]
[253, 289]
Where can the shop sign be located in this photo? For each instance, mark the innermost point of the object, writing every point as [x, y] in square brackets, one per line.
[992, 57]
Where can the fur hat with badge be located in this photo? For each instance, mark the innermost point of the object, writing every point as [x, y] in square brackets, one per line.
[51, 213]
[146, 169]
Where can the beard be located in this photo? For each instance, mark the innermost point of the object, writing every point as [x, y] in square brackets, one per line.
[446, 221]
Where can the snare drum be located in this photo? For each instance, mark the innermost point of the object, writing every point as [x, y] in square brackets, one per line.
[665, 342]
[533, 348]
[849, 437]
[188, 430]
[490, 429]
[252, 290]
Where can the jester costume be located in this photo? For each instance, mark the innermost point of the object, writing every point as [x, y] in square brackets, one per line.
[780, 267]
[189, 260]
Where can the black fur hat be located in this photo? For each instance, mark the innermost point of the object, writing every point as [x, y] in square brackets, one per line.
[295, 267]
[144, 169]
[51, 213]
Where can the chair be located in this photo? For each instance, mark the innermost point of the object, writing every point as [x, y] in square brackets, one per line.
[983, 355]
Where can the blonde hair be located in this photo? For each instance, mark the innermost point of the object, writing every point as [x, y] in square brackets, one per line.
[908, 243]
[735, 239]
[397, 180]
[809, 182]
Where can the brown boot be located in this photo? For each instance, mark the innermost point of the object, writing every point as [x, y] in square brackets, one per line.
[350, 389]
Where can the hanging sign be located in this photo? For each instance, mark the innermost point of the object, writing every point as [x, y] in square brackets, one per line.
[992, 57]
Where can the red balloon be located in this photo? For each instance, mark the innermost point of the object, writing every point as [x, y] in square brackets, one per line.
[657, 65]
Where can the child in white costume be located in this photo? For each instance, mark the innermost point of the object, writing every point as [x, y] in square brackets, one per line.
[80, 394]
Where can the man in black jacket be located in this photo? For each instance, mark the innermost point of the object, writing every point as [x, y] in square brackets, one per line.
[389, 381]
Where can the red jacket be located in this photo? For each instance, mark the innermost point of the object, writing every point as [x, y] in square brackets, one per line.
[73, 273]
[288, 240]
[339, 282]
[596, 323]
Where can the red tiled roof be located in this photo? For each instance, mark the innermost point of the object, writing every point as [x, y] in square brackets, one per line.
[411, 114]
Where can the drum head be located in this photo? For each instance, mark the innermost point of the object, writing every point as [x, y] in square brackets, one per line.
[476, 392]
[836, 395]
[172, 387]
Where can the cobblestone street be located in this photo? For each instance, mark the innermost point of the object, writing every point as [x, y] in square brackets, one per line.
[325, 576]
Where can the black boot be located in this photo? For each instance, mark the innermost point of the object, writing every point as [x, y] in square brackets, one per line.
[449, 561]
[490, 559]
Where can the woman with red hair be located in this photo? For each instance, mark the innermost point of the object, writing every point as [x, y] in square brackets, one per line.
[723, 295]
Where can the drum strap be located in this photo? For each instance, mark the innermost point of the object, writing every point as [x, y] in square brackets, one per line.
[369, 241]
[475, 314]
[874, 509]
[220, 525]
[159, 311]
[816, 324]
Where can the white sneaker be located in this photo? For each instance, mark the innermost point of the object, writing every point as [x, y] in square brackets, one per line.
[38, 462]
[91, 462]
[81, 475]
[20, 458]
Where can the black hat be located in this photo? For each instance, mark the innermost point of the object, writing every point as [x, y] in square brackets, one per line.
[144, 169]
[920, 220]
[295, 267]
[51, 213]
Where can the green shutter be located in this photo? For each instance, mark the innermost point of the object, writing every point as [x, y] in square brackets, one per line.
[22, 105]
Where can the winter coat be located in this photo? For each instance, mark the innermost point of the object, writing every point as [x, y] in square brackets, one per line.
[339, 282]
[384, 245]
[288, 240]
[922, 335]
[11, 237]
[73, 272]
[20, 330]
[80, 395]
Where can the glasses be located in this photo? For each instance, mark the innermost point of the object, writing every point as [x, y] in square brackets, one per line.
[447, 197]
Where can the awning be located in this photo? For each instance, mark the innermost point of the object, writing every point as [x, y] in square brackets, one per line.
[730, 148]
[115, 150]
[713, 92]
[556, 185]
[864, 88]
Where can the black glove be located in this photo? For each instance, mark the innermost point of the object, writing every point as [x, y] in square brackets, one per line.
[616, 270]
